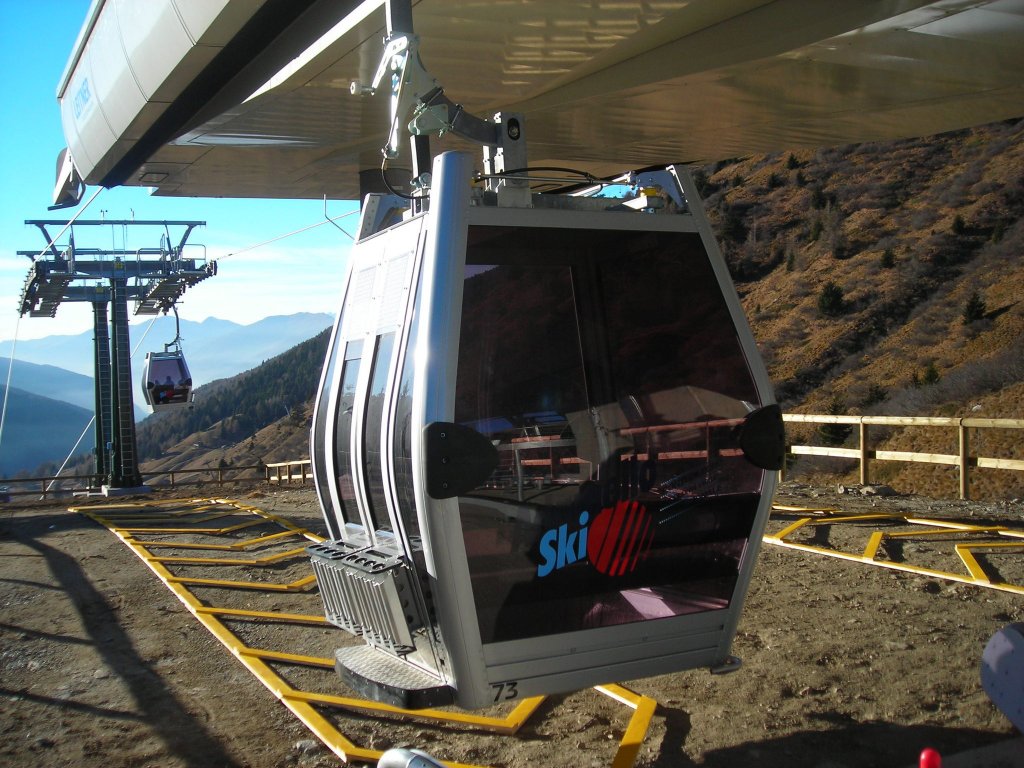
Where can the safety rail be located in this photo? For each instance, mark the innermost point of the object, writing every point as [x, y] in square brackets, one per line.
[65, 485]
[863, 453]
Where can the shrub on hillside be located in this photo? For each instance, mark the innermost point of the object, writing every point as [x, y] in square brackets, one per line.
[876, 394]
[960, 386]
[835, 434]
[974, 310]
[831, 300]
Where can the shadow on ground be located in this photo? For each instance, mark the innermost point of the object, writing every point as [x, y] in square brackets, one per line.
[155, 704]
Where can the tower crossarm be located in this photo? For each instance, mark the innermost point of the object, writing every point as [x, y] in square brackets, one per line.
[160, 294]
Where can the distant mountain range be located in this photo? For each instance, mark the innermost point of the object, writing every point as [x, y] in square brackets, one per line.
[55, 383]
[214, 349]
[52, 397]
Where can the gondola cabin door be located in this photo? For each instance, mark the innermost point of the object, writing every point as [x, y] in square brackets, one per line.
[544, 445]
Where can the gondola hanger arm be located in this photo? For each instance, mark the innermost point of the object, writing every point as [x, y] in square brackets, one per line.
[415, 94]
[417, 97]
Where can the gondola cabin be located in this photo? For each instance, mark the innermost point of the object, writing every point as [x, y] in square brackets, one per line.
[544, 445]
[166, 382]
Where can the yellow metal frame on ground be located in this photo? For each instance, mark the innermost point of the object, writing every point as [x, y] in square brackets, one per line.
[987, 538]
[126, 521]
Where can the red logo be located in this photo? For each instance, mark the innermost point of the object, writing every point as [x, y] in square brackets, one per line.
[619, 537]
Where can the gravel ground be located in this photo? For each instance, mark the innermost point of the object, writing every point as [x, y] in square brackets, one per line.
[845, 665]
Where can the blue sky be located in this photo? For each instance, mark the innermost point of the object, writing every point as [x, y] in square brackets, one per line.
[299, 273]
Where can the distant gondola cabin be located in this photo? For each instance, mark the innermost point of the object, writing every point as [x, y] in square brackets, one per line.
[166, 381]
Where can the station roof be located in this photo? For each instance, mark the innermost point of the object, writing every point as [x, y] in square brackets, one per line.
[256, 101]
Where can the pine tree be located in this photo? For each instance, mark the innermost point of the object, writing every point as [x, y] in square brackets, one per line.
[835, 434]
[974, 310]
[831, 301]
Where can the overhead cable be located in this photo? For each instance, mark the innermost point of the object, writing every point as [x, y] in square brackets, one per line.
[290, 234]
[71, 222]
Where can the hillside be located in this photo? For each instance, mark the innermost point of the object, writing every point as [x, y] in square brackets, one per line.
[40, 431]
[886, 279]
[231, 412]
[57, 384]
[878, 278]
[53, 382]
[908, 231]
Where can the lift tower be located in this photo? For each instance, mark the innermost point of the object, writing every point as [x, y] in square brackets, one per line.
[153, 278]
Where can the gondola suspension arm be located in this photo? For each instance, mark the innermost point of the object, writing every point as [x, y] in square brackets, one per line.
[176, 343]
[417, 97]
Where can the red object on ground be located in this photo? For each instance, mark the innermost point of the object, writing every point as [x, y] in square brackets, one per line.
[930, 758]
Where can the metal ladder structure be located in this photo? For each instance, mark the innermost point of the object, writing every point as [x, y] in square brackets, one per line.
[124, 462]
[104, 397]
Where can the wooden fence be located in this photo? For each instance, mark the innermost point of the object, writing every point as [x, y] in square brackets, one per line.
[290, 471]
[300, 470]
[43, 487]
[864, 453]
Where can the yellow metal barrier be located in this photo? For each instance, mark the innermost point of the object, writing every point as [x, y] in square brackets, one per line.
[182, 517]
[980, 538]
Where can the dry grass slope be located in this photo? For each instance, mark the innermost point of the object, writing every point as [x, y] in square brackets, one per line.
[909, 231]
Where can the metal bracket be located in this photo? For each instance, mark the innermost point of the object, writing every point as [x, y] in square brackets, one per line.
[505, 161]
[409, 82]
[416, 96]
[69, 187]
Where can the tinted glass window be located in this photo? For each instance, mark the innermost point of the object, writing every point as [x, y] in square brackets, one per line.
[403, 432]
[606, 369]
[372, 432]
[319, 436]
[343, 432]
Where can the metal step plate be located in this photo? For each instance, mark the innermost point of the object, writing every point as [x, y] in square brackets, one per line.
[380, 677]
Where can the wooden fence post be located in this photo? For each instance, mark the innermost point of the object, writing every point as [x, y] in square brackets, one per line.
[862, 431]
[965, 481]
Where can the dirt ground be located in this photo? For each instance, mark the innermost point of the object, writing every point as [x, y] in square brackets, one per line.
[844, 665]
